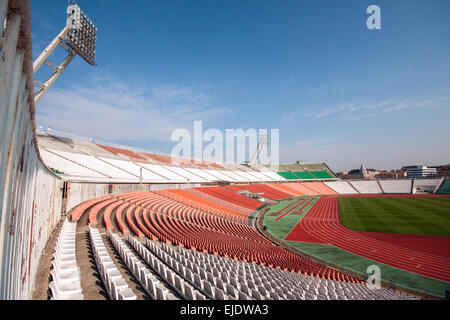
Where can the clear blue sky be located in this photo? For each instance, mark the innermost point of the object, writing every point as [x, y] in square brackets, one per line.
[338, 92]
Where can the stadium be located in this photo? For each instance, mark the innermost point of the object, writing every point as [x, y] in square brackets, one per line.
[83, 219]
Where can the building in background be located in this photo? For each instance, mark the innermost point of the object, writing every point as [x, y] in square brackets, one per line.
[420, 171]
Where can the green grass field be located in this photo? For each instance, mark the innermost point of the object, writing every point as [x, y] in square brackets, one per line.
[407, 215]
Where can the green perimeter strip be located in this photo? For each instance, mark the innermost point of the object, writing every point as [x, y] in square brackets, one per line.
[281, 228]
[255, 213]
[358, 264]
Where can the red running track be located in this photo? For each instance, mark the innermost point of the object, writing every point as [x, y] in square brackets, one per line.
[321, 225]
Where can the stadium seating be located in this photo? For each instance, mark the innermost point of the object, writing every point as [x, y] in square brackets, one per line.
[425, 185]
[319, 187]
[164, 172]
[104, 168]
[286, 189]
[118, 151]
[222, 278]
[288, 175]
[146, 277]
[116, 286]
[265, 189]
[366, 187]
[342, 187]
[230, 196]
[175, 223]
[273, 175]
[196, 249]
[445, 187]
[304, 175]
[396, 186]
[66, 281]
[78, 211]
[301, 188]
[67, 166]
[204, 204]
[321, 174]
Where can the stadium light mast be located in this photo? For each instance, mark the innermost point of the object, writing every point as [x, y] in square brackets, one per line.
[78, 37]
[263, 142]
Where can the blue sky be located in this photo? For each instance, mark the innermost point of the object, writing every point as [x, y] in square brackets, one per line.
[338, 92]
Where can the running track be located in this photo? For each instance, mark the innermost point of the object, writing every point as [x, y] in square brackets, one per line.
[321, 225]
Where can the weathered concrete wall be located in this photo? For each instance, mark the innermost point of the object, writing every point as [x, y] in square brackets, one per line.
[30, 195]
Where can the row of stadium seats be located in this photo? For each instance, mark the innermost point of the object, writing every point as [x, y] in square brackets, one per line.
[366, 187]
[305, 175]
[116, 286]
[145, 276]
[445, 187]
[396, 186]
[66, 281]
[230, 196]
[341, 187]
[266, 190]
[190, 199]
[86, 166]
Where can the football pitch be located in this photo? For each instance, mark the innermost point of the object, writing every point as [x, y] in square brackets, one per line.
[405, 215]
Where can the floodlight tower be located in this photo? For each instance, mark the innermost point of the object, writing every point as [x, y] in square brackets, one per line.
[79, 37]
[263, 142]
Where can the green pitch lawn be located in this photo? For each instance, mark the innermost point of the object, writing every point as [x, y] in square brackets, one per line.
[407, 215]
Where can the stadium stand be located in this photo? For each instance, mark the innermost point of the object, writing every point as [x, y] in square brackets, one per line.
[66, 281]
[130, 155]
[110, 168]
[175, 223]
[221, 202]
[284, 188]
[396, 186]
[366, 187]
[304, 175]
[145, 276]
[302, 188]
[445, 187]
[321, 175]
[288, 175]
[319, 187]
[425, 185]
[186, 174]
[167, 272]
[164, 172]
[308, 168]
[227, 279]
[116, 286]
[341, 187]
[230, 196]
[204, 205]
[68, 167]
[265, 189]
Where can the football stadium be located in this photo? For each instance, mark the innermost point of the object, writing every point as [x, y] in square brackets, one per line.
[87, 219]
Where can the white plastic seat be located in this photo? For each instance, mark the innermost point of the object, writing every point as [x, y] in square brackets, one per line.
[70, 275]
[64, 296]
[126, 294]
[65, 265]
[116, 285]
[66, 287]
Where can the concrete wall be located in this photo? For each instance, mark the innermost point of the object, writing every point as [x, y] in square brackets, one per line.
[30, 195]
